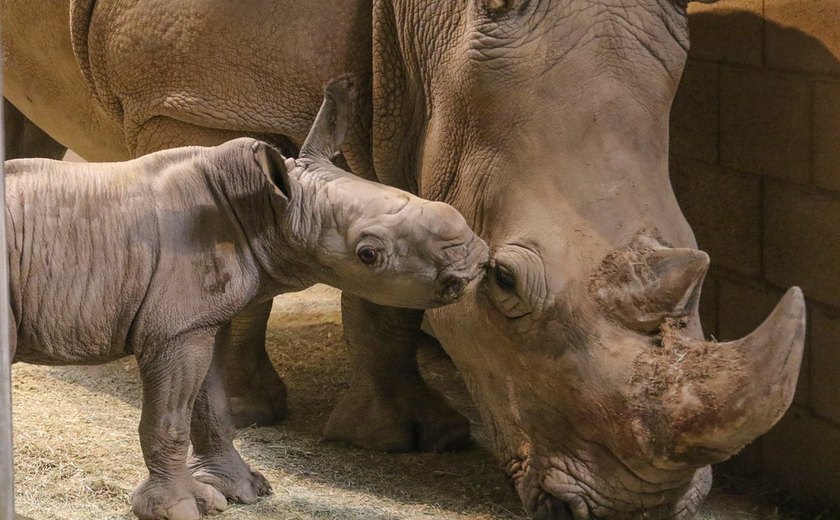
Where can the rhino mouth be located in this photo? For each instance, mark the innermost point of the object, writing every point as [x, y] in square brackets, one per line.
[564, 489]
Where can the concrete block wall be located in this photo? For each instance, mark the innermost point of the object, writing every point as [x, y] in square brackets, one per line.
[755, 149]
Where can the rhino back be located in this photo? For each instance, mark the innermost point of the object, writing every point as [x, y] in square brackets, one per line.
[194, 67]
[82, 245]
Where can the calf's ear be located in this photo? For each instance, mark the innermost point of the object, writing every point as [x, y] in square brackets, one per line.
[330, 126]
[274, 166]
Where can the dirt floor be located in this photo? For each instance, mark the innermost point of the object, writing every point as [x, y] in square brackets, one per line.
[78, 457]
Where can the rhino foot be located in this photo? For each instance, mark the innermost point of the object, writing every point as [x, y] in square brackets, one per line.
[410, 416]
[176, 499]
[259, 408]
[257, 394]
[231, 476]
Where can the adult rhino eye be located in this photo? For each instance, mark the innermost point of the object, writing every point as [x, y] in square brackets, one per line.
[367, 254]
[505, 278]
[515, 282]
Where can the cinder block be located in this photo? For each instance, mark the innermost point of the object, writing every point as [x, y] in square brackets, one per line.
[827, 135]
[803, 35]
[802, 455]
[765, 123]
[742, 307]
[825, 370]
[802, 240]
[724, 210]
[731, 31]
[694, 116]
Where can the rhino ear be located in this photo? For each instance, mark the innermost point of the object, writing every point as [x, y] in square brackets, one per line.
[330, 126]
[274, 167]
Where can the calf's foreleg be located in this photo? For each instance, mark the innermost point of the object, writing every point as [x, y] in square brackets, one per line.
[172, 373]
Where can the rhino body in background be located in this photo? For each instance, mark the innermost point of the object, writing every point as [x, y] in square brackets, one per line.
[545, 122]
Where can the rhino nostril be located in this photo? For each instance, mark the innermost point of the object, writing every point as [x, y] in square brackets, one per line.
[452, 287]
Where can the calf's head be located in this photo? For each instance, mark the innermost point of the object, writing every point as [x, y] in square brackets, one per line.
[372, 240]
[545, 122]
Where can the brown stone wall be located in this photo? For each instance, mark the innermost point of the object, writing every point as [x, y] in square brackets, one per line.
[756, 168]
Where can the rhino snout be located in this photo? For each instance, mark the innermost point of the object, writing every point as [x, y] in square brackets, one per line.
[453, 280]
[452, 287]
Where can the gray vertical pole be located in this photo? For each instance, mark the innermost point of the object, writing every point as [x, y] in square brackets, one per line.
[7, 484]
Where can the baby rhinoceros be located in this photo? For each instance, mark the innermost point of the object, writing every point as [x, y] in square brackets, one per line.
[154, 257]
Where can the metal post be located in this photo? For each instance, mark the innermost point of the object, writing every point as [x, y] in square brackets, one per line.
[7, 478]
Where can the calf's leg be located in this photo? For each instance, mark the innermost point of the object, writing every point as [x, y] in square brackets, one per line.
[172, 374]
[390, 407]
[257, 394]
[214, 460]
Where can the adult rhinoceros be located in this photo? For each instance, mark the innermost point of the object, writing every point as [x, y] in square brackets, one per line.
[545, 122]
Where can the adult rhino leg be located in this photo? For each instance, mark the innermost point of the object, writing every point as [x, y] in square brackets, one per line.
[390, 407]
[257, 394]
[23, 139]
[214, 460]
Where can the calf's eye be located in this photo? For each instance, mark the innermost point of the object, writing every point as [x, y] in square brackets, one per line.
[367, 254]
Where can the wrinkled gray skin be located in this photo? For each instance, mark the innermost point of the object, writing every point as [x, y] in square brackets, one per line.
[545, 122]
[155, 256]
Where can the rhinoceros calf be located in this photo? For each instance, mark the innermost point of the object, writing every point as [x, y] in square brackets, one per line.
[155, 256]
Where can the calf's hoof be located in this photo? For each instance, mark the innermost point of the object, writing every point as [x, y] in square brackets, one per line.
[182, 499]
[231, 476]
[412, 417]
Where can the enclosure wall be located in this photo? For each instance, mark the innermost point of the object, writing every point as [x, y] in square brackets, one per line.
[756, 168]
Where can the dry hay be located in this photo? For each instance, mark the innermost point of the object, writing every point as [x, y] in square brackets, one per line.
[78, 457]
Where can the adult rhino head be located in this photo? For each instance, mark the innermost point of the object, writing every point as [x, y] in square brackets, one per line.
[545, 122]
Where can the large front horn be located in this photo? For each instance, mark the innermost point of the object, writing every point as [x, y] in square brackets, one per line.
[715, 398]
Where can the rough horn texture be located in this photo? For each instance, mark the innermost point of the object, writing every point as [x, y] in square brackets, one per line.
[747, 388]
[641, 286]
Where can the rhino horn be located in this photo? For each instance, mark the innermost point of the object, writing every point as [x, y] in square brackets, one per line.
[641, 289]
[728, 394]
[330, 126]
